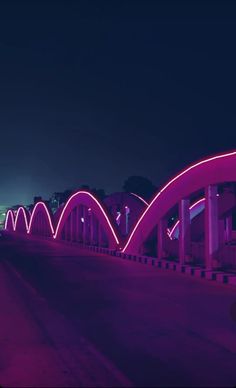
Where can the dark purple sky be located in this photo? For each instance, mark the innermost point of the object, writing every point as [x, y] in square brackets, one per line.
[92, 92]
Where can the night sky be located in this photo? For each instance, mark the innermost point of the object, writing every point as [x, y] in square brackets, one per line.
[93, 92]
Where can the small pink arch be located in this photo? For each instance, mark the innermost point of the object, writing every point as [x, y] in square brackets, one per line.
[40, 206]
[9, 221]
[22, 215]
[87, 199]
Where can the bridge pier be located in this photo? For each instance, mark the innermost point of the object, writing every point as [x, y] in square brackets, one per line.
[95, 230]
[228, 228]
[123, 221]
[80, 224]
[221, 231]
[184, 230]
[77, 223]
[101, 236]
[91, 228]
[85, 225]
[211, 226]
[161, 237]
[66, 230]
[71, 226]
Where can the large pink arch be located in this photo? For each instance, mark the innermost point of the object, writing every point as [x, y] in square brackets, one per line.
[87, 199]
[40, 207]
[213, 170]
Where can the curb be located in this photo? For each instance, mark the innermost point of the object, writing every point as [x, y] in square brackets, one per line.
[210, 275]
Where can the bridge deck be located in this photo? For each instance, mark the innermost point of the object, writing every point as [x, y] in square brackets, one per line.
[73, 318]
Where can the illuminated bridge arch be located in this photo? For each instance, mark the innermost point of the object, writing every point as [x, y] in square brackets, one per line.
[41, 221]
[83, 219]
[10, 221]
[205, 175]
[22, 219]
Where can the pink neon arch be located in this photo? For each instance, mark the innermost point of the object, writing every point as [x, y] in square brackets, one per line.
[10, 215]
[26, 216]
[88, 199]
[40, 206]
[219, 168]
[141, 198]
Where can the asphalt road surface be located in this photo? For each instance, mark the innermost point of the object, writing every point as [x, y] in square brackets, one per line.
[72, 318]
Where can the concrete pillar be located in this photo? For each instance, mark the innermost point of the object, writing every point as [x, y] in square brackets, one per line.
[74, 225]
[101, 236]
[123, 221]
[71, 225]
[211, 226]
[80, 224]
[95, 230]
[91, 221]
[85, 225]
[66, 229]
[184, 230]
[228, 228]
[221, 231]
[77, 220]
[161, 238]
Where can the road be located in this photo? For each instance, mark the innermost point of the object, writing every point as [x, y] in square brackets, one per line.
[69, 317]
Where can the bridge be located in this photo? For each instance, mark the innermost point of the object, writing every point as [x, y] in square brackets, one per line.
[202, 197]
[79, 307]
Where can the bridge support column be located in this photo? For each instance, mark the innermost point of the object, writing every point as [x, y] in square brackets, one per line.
[101, 236]
[91, 224]
[77, 223]
[228, 228]
[71, 226]
[74, 225]
[161, 237]
[85, 224]
[184, 230]
[66, 230]
[123, 221]
[80, 223]
[95, 230]
[221, 231]
[211, 226]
